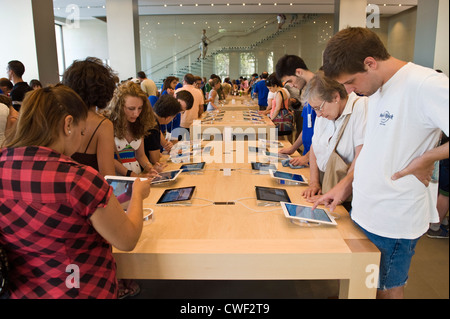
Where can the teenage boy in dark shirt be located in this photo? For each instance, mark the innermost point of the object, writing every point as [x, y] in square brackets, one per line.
[15, 71]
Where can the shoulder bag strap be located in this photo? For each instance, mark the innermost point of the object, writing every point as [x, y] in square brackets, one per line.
[347, 118]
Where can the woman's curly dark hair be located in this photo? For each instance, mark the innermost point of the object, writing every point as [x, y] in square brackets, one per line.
[94, 81]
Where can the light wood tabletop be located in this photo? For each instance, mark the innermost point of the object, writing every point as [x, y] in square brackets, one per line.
[244, 240]
[237, 123]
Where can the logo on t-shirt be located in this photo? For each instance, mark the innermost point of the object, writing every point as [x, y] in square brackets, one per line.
[385, 117]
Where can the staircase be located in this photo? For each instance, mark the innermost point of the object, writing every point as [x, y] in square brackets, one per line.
[186, 60]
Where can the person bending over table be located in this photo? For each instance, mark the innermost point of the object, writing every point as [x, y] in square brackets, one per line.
[333, 106]
[59, 218]
[132, 118]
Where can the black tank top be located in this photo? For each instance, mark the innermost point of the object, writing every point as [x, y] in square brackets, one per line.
[88, 159]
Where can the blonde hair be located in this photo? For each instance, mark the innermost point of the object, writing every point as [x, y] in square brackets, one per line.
[144, 122]
[324, 88]
[42, 115]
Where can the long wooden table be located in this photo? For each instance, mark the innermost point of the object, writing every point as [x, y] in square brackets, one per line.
[231, 123]
[234, 104]
[235, 242]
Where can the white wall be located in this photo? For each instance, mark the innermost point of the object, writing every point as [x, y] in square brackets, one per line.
[90, 39]
[18, 40]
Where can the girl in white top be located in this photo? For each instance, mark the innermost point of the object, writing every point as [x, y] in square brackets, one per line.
[332, 104]
[132, 117]
[213, 96]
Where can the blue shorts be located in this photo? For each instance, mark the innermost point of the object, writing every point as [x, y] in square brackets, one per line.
[444, 177]
[396, 255]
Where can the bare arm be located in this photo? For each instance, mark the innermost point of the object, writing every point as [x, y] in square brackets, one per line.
[278, 106]
[422, 167]
[120, 229]
[342, 190]
[105, 149]
[314, 178]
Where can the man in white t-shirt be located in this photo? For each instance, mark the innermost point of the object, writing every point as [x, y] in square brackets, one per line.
[393, 200]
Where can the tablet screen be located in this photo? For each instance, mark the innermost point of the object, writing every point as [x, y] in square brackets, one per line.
[272, 194]
[284, 156]
[255, 149]
[271, 143]
[165, 176]
[192, 167]
[176, 195]
[318, 215]
[289, 176]
[262, 166]
[122, 190]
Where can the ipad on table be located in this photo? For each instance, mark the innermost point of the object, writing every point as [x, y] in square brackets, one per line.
[270, 194]
[279, 156]
[177, 195]
[290, 177]
[270, 143]
[165, 177]
[263, 166]
[306, 214]
[255, 149]
[192, 167]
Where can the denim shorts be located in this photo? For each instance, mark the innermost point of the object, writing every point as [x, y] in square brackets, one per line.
[396, 255]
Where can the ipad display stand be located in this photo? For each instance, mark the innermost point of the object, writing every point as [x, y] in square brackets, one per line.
[172, 204]
[286, 182]
[304, 223]
[164, 184]
[267, 203]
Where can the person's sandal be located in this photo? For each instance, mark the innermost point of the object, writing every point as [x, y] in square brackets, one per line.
[128, 288]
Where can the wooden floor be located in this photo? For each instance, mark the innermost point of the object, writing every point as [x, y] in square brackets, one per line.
[428, 279]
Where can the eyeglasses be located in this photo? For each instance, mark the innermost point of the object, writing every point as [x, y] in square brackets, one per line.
[318, 109]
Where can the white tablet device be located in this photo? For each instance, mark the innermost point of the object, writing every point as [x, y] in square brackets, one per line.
[165, 177]
[122, 187]
[290, 177]
[268, 143]
[278, 156]
[305, 214]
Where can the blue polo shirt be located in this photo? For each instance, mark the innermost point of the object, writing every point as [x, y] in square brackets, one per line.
[307, 131]
[261, 89]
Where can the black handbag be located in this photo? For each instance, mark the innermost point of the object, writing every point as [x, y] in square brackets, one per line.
[4, 267]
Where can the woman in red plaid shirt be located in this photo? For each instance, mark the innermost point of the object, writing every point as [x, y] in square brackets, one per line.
[58, 218]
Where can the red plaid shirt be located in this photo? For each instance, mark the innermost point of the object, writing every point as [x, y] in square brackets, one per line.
[46, 200]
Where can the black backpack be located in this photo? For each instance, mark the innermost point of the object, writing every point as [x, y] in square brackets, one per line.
[3, 270]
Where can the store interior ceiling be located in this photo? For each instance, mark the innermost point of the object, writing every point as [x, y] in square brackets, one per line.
[90, 9]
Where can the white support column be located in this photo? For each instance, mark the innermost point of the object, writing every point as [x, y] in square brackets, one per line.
[122, 17]
[29, 37]
[350, 13]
